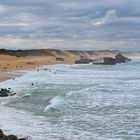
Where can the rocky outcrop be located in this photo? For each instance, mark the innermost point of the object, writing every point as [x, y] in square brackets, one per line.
[121, 59]
[83, 61]
[9, 137]
[104, 61]
[6, 92]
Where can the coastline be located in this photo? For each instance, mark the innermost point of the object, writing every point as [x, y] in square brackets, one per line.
[11, 66]
[12, 72]
[10, 112]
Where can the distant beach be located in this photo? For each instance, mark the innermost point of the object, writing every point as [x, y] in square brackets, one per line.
[29, 59]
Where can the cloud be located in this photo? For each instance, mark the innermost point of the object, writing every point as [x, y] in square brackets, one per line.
[71, 21]
[14, 43]
[112, 18]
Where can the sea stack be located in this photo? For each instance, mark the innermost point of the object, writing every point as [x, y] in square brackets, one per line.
[121, 58]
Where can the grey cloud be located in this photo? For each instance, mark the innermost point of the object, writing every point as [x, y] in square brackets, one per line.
[112, 18]
[109, 20]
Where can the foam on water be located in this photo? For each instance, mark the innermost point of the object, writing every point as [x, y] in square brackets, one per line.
[59, 100]
[80, 102]
[53, 103]
[21, 122]
[6, 100]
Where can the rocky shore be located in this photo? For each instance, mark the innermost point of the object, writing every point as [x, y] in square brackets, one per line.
[9, 137]
[119, 58]
[6, 92]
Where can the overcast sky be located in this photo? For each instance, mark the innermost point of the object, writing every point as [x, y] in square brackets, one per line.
[70, 24]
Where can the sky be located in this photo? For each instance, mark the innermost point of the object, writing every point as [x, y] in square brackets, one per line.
[70, 24]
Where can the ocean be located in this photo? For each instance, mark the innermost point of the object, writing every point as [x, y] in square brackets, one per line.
[75, 102]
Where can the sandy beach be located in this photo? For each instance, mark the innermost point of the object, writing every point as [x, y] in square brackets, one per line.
[11, 63]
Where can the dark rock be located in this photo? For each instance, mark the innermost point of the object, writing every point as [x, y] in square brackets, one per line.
[4, 138]
[105, 61]
[6, 92]
[12, 94]
[1, 134]
[121, 59]
[11, 137]
[83, 61]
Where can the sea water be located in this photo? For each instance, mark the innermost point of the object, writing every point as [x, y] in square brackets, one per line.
[75, 102]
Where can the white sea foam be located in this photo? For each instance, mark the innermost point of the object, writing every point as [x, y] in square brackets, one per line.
[87, 102]
[9, 99]
[20, 122]
[60, 100]
[55, 102]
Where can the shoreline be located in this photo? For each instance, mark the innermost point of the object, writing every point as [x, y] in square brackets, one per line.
[10, 112]
[12, 64]
[23, 60]
[7, 109]
[10, 75]
[13, 73]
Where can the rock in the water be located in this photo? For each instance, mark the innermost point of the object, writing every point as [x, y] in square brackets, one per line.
[1, 134]
[121, 59]
[10, 137]
[6, 92]
[4, 138]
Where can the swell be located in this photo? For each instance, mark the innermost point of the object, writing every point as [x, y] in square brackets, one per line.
[60, 100]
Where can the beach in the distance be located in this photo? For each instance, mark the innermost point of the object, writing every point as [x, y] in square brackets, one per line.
[14, 63]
